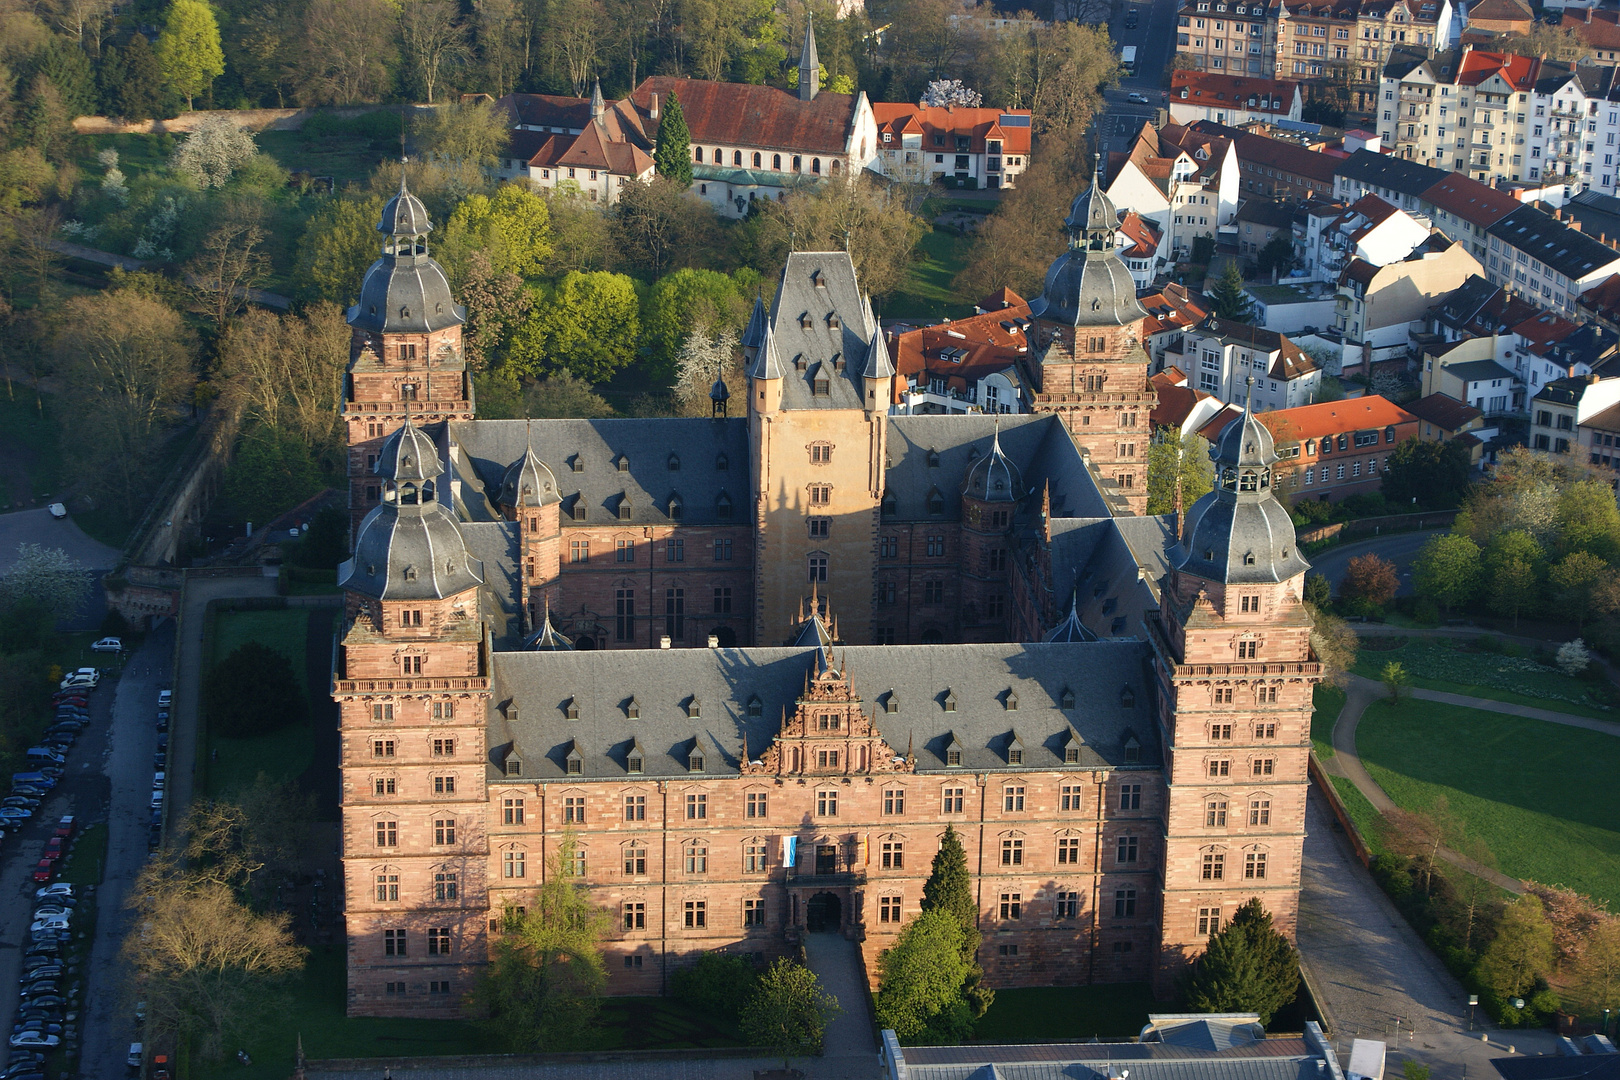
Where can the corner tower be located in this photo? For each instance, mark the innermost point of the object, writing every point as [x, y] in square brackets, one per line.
[1086, 362]
[412, 687]
[1236, 673]
[818, 399]
[405, 353]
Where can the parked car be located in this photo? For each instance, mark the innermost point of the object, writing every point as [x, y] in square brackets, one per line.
[160, 760]
[55, 848]
[44, 910]
[108, 644]
[164, 697]
[158, 780]
[41, 988]
[64, 825]
[34, 1038]
[17, 813]
[50, 1001]
[44, 969]
[45, 870]
[25, 802]
[163, 742]
[50, 922]
[61, 888]
[157, 800]
[32, 791]
[163, 721]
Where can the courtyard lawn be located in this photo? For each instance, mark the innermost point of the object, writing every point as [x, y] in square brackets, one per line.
[1068, 1013]
[1456, 666]
[928, 292]
[1540, 796]
[281, 755]
[660, 1023]
[1327, 701]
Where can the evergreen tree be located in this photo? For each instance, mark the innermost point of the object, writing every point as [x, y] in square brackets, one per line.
[69, 70]
[188, 51]
[110, 78]
[950, 888]
[673, 156]
[141, 96]
[1227, 296]
[1247, 967]
[920, 986]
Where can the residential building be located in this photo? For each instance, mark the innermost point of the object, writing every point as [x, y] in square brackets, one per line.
[1378, 305]
[1230, 38]
[1370, 230]
[1601, 304]
[733, 777]
[1443, 419]
[1545, 260]
[1355, 38]
[1561, 412]
[1231, 99]
[1467, 109]
[1143, 246]
[1229, 354]
[1170, 311]
[1599, 439]
[1258, 220]
[1183, 408]
[964, 365]
[1463, 209]
[1599, 29]
[1278, 168]
[1293, 306]
[1335, 449]
[586, 145]
[1594, 213]
[1501, 16]
[971, 148]
[1184, 181]
[1399, 182]
[1467, 371]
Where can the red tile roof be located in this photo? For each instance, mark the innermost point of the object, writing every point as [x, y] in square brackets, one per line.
[742, 114]
[1175, 402]
[1478, 65]
[989, 345]
[1286, 157]
[1333, 417]
[976, 124]
[1603, 32]
[1604, 299]
[1470, 200]
[1001, 298]
[1215, 90]
[1444, 412]
[1217, 424]
[1142, 234]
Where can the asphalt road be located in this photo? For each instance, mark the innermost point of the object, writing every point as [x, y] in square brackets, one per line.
[109, 1023]
[1400, 549]
[1154, 38]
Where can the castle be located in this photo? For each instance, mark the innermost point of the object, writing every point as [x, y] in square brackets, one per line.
[755, 665]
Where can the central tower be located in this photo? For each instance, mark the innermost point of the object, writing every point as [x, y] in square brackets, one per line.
[1086, 361]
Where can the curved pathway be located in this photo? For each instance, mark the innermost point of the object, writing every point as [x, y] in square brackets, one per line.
[1347, 762]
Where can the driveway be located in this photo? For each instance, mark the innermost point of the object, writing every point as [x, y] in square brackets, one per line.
[109, 1025]
[1375, 978]
[38, 527]
[1399, 549]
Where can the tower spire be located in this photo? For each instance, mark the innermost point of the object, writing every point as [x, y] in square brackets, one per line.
[809, 65]
[598, 104]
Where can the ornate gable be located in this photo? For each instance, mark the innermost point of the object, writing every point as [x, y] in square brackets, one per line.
[827, 733]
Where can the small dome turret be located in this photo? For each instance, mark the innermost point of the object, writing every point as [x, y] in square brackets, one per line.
[1071, 628]
[404, 214]
[405, 291]
[1089, 285]
[1239, 533]
[994, 478]
[409, 456]
[547, 639]
[719, 392]
[529, 482]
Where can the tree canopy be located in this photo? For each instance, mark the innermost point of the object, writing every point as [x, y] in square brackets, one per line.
[1433, 473]
[253, 691]
[1247, 967]
[1447, 570]
[1228, 297]
[587, 324]
[672, 156]
[789, 1011]
[188, 51]
[511, 228]
[920, 981]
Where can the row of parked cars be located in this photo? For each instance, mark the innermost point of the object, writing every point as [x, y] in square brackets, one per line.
[46, 997]
[48, 760]
[160, 765]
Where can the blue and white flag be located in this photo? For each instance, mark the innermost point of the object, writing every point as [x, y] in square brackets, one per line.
[790, 850]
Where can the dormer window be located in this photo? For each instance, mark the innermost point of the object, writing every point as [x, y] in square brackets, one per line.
[832, 321]
[571, 709]
[1248, 558]
[818, 279]
[799, 362]
[1071, 749]
[1011, 702]
[633, 709]
[805, 321]
[634, 762]
[936, 502]
[888, 504]
[1133, 750]
[722, 463]
[1066, 699]
[624, 507]
[722, 506]
[950, 701]
[933, 459]
[578, 462]
[694, 708]
[623, 463]
[891, 703]
[756, 707]
[953, 753]
[579, 508]
[674, 508]
[674, 462]
[1127, 698]
[694, 760]
[513, 766]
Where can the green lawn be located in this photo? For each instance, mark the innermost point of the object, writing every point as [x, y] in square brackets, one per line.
[928, 293]
[29, 446]
[1326, 702]
[89, 855]
[1455, 666]
[656, 1023]
[282, 754]
[345, 158]
[1540, 796]
[1068, 1013]
[1366, 818]
[313, 1009]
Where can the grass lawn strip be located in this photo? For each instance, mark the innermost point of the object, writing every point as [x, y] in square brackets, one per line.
[1541, 797]
[284, 754]
[928, 292]
[1440, 664]
[1327, 701]
[1067, 1013]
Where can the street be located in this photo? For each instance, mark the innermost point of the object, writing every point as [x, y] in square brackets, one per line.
[1400, 549]
[1154, 38]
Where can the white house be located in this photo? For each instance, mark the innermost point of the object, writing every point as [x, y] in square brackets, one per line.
[1233, 100]
[1226, 354]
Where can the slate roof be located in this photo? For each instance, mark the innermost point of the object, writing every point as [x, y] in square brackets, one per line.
[1267, 212]
[1103, 676]
[1286, 1058]
[1039, 446]
[1097, 560]
[1541, 236]
[1478, 371]
[1395, 174]
[743, 114]
[819, 319]
[1549, 1067]
[480, 452]
[1599, 214]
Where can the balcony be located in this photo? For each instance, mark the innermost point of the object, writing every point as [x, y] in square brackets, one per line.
[1415, 95]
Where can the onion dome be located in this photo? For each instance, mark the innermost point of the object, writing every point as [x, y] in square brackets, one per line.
[529, 482]
[1071, 628]
[1089, 285]
[409, 456]
[405, 291]
[1240, 533]
[410, 552]
[547, 639]
[994, 478]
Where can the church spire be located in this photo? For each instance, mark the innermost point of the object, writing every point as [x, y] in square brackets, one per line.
[809, 65]
[598, 105]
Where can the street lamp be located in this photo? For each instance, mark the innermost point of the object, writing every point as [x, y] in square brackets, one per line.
[1473, 1000]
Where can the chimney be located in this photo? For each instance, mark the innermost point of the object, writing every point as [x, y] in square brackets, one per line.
[714, 641]
[654, 108]
[1586, 13]
[663, 641]
[1575, 226]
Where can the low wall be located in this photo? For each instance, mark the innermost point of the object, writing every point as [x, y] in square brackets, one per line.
[1336, 804]
[1437, 519]
[247, 119]
[376, 1066]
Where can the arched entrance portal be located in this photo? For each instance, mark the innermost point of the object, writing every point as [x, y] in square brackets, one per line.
[824, 914]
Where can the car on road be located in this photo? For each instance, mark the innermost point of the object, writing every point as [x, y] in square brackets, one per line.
[1139, 99]
[57, 510]
[34, 1038]
[164, 697]
[61, 888]
[45, 869]
[108, 644]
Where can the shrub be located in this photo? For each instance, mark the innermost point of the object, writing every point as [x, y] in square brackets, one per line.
[1426, 611]
[718, 983]
[253, 691]
[1573, 657]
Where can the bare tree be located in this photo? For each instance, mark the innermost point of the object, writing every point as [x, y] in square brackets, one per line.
[861, 216]
[706, 356]
[229, 263]
[578, 37]
[347, 51]
[77, 17]
[286, 371]
[433, 39]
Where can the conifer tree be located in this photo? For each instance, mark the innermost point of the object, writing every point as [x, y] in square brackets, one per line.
[1229, 301]
[140, 98]
[673, 156]
[1247, 967]
[950, 888]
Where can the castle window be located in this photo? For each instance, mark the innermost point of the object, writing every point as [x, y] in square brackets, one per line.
[624, 512]
[1254, 866]
[674, 508]
[635, 865]
[633, 709]
[1214, 868]
[1012, 799]
[827, 804]
[674, 462]
[820, 494]
[722, 510]
[817, 568]
[387, 886]
[571, 710]
[891, 704]
[1125, 850]
[721, 463]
